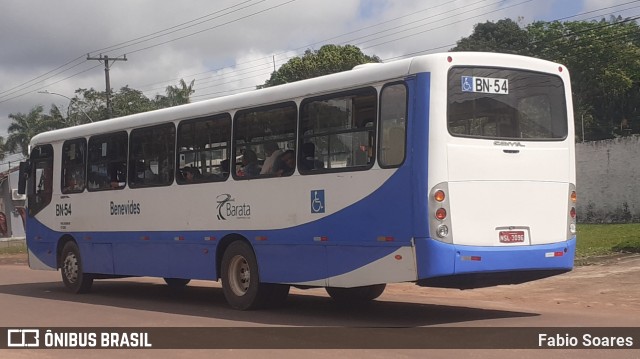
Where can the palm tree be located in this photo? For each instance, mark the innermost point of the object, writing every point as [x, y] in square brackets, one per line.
[177, 95]
[25, 126]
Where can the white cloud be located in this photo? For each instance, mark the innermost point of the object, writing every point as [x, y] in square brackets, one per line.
[230, 52]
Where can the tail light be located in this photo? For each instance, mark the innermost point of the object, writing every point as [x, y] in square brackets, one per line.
[439, 214]
[572, 217]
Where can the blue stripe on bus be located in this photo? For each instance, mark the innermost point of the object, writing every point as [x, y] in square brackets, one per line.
[287, 255]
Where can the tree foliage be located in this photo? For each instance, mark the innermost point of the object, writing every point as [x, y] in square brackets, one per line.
[327, 60]
[24, 126]
[603, 58]
[88, 105]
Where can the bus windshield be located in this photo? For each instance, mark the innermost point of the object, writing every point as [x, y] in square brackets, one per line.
[497, 103]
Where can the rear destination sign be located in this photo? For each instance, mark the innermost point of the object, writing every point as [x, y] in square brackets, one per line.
[485, 85]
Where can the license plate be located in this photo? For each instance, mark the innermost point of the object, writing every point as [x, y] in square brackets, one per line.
[511, 236]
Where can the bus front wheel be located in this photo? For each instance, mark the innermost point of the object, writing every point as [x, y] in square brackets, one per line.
[73, 276]
[356, 295]
[241, 282]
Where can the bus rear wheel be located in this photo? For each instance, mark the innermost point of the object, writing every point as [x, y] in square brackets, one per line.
[73, 275]
[241, 282]
[356, 295]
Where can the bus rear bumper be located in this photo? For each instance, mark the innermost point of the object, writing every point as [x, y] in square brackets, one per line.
[465, 267]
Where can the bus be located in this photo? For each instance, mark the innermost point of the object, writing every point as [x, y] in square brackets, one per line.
[452, 170]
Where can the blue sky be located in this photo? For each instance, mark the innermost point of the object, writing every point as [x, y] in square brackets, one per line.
[226, 46]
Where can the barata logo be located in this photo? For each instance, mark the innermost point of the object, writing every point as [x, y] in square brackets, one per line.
[227, 209]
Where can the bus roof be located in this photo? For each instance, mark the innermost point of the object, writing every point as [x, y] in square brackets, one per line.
[359, 76]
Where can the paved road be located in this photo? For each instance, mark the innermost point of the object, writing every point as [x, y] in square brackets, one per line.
[604, 295]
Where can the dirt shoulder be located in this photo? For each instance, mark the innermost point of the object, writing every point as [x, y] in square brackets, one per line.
[18, 259]
[607, 283]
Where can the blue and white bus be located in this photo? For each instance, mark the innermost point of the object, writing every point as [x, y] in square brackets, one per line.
[448, 170]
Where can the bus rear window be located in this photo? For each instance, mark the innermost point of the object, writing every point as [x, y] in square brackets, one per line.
[506, 104]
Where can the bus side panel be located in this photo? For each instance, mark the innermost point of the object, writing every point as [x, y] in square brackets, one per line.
[134, 257]
[159, 254]
[418, 151]
[292, 263]
[344, 242]
[196, 261]
[100, 257]
[41, 245]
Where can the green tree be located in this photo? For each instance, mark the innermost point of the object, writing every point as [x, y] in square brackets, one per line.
[89, 105]
[2, 148]
[24, 126]
[603, 58]
[327, 60]
[504, 36]
[176, 95]
[128, 101]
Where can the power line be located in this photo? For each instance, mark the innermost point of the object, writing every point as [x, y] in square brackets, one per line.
[175, 28]
[152, 46]
[297, 50]
[453, 44]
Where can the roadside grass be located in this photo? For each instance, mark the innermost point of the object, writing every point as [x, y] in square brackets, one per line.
[605, 239]
[593, 240]
[13, 248]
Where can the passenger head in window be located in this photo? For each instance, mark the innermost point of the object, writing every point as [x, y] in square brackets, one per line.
[190, 174]
[309, 161]
[271, 153]
[285, 164]
[224, 168]
[250, 166]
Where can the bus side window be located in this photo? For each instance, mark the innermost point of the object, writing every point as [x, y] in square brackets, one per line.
[338, 130]
[74, 162]
[42, 158]
[393, 125]
[204, 149]
[261, 136]
[107, 161]
[152, 156]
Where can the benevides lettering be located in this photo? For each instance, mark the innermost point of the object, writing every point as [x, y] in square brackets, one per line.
[508, 143]
[124, 209]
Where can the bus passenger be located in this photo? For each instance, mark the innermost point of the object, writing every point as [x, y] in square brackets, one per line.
[190, 174]
[271, 152]
[224, 168]
[250, 166]
[285, 164]
[309, 161]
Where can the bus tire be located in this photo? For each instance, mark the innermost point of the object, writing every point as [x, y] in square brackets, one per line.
[240, 279]
[356, 295]
[176, 283]
[73, 275]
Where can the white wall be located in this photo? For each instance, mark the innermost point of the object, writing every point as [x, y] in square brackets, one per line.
[608, 180]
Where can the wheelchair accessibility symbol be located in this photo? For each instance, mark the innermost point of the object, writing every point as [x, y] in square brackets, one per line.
[467, 84]
[317, 201]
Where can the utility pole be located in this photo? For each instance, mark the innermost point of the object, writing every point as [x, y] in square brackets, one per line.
[106, 60]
